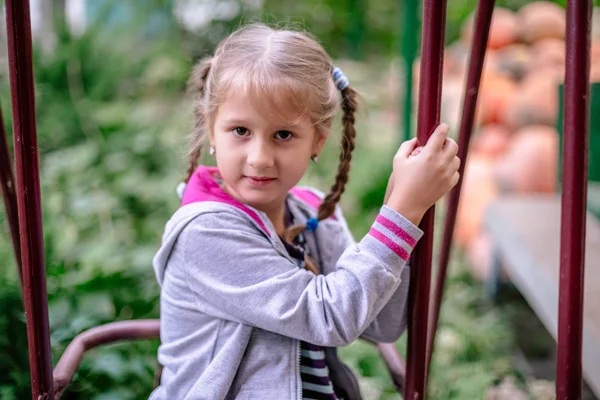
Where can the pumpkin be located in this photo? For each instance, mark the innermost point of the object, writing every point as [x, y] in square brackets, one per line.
[530, 163]
[478, 190]
[479, 256]
[513, 61]
[456, 58]
[504, 29]
[541, 20]
[496, 92]
[535, 101]
[548, 54]
[595, 72]
[491, 140]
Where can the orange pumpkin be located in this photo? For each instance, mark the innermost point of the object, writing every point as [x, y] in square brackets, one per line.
[478, 190]
[595, 57]
[496, 92]
[535, 101]
[595, 47]
[504, 29]
[548, 53]
[595, 72]
[514, 60]
[479, 256]
[541, 20]
[492, 140]
[530, 164]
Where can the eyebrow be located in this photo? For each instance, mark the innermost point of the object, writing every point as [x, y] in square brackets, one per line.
[235, 121]
[241, 122]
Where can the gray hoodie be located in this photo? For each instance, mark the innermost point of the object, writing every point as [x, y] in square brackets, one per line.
[234, 304]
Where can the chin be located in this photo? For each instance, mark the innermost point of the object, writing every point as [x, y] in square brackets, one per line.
[259, 200]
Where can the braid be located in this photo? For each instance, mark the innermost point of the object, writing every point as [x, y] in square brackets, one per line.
[197, 84]
[349, 105]
[327, 207]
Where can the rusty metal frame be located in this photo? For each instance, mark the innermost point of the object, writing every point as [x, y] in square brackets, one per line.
[100, 335]
[430, 89]
[28, 198]
[26, 224]
[483, 19]
[574, 197]
[7, 184]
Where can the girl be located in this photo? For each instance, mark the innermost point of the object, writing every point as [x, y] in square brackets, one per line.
[261, 279]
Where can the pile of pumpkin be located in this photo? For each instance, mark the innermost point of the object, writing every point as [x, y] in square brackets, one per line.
[514, 147]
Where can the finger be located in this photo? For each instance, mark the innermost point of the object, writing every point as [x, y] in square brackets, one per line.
[455, 178]
[455, 163]
[416, 151]
[450, 148]
[406, 148]
[437, 138]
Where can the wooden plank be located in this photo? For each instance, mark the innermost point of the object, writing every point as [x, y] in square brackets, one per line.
[526, 236]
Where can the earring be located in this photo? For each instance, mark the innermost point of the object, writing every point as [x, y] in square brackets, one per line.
[315, 158]
[212, 150]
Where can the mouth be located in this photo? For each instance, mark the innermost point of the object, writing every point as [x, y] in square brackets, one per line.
[259, 180]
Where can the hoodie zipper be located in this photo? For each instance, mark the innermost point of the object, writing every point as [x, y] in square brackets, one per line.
[298, 375]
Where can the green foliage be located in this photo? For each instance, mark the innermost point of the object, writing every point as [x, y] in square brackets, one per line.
[111, 132]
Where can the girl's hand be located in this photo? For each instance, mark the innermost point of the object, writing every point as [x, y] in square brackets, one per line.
[390, 186]
[421, 176]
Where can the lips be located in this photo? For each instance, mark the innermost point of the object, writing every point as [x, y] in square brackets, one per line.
[259, 180]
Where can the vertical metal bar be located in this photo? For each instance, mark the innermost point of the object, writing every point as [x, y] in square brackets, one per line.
[482, 22]
[28, 197]
[430, 84]
[356, 32]
[574, 191]
[409, 50]
[7, 182]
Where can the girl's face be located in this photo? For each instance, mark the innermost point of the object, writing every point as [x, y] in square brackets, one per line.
[259, 159]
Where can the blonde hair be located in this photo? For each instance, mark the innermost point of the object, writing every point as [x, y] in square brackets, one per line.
[271, 63]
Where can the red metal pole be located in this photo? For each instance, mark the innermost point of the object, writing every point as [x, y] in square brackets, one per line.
[7, 182]
[574, 192]
[482, 23]
[430, 88]
[28, 198]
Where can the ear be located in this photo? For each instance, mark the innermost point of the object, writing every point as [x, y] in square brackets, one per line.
[210, 132]
[319, 143]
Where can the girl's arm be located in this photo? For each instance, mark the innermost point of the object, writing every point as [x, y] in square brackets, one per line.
[233, 269]
[390, 323]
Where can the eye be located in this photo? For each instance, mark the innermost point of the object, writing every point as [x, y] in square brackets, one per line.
[284, 135]
[241, 131]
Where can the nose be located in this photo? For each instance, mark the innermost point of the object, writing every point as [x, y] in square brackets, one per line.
[260, 155]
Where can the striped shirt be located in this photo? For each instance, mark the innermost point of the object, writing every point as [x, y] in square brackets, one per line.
[314, 372]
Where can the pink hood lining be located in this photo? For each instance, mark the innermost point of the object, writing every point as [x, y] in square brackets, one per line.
[203, 187]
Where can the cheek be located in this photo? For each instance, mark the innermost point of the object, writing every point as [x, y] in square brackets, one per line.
[296, 165]
[227, 156]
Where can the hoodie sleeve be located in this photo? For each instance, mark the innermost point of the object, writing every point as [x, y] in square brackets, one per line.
[232, 266]
[390, 322]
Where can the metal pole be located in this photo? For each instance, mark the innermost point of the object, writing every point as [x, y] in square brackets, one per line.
[574, 191]
[483, 21]
[356, 34]
[28, 198]
[430, 88]
[409, 50]
[7, 182]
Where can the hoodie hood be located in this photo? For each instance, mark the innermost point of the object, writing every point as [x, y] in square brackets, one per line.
[204, 194]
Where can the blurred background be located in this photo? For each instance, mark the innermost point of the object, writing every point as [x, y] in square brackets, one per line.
[114, 118]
